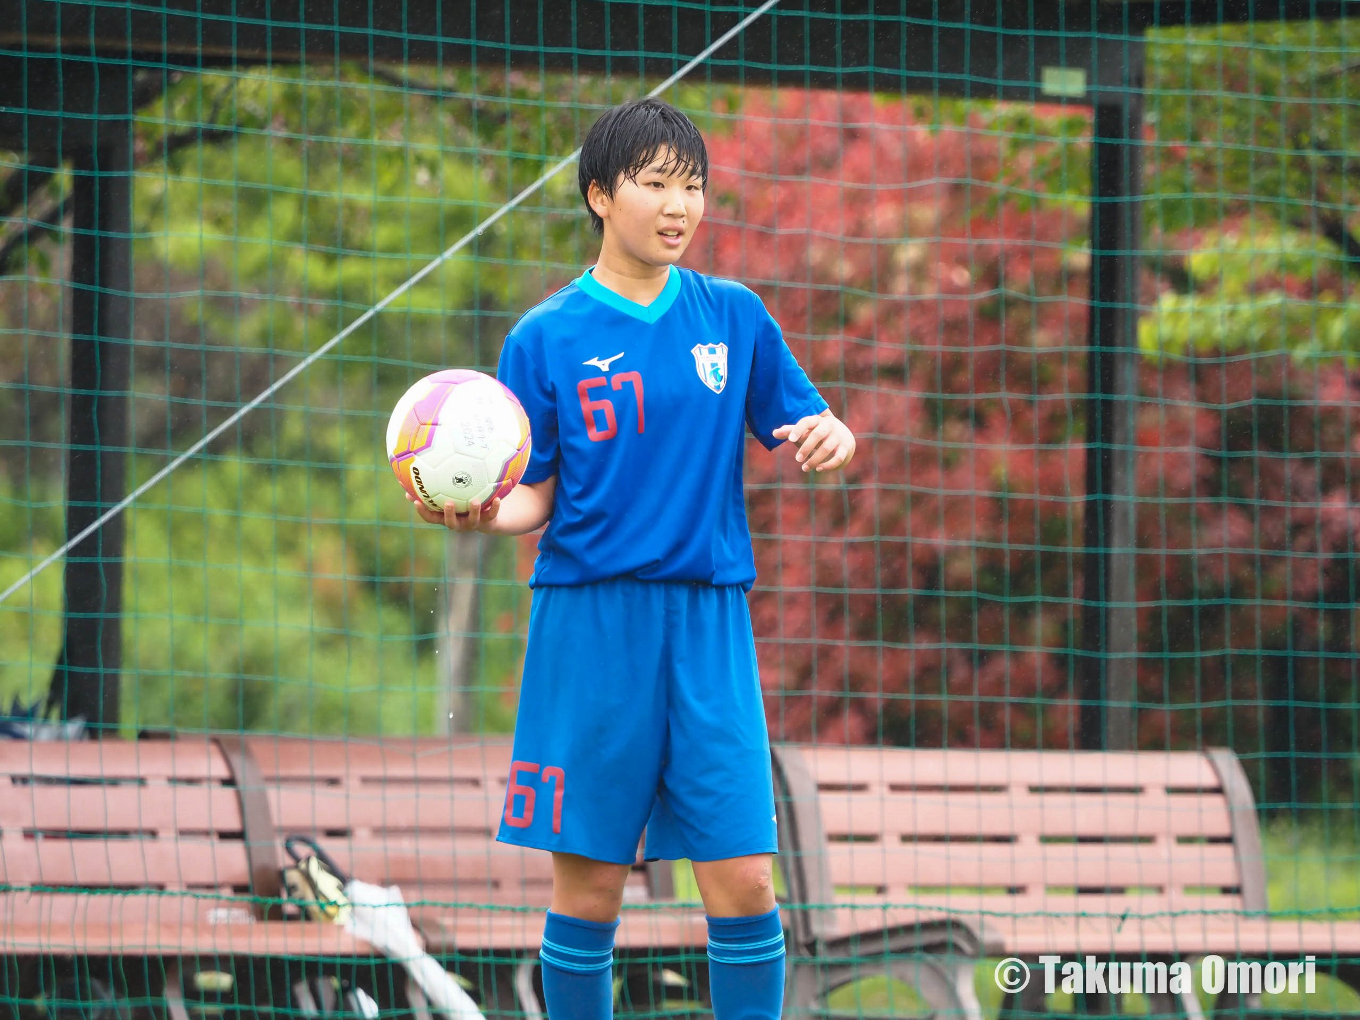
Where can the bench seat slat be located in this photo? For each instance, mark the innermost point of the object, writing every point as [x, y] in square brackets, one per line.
[272, 938]
[442, 895]
[471, 929]
[435, 857]
[1105, 937]
[439, 859]
[1031, 866]
[1057, 906]
[1184, 935]
[72, 910]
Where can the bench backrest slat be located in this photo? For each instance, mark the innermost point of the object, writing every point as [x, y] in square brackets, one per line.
[176, 761]
[48, 809]
[179, 862]
[901, 814]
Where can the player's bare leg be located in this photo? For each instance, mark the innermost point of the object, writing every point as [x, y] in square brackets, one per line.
[590, 890]
[577, 958]
[737, 887]
[745, 937]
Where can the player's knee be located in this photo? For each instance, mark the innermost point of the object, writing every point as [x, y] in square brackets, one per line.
[741, 886]
[754, 881]
[590, 890]
[750, 874]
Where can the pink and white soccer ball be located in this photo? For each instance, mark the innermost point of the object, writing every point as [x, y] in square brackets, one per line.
[458, 435]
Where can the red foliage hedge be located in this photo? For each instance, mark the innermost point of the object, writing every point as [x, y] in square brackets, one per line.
[929, 599]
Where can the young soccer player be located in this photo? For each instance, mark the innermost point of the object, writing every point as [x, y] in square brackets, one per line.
[640, 705]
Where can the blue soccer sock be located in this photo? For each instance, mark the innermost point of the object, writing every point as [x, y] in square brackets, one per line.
[577, 959]
[746, 967]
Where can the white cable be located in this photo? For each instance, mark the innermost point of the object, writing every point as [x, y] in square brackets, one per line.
[325, 348]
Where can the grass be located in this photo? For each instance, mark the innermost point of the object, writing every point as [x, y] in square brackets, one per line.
[1309, 870]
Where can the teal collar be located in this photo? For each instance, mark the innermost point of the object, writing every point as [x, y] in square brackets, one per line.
[647, 313]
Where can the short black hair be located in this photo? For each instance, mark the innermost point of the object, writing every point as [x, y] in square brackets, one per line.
[624, 141]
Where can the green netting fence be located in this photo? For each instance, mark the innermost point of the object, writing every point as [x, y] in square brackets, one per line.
[929, 257]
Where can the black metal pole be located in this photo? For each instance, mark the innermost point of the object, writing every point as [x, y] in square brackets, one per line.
[1108, 660]
[87, 676]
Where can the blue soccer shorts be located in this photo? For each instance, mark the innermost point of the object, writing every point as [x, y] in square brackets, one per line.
[640, 707]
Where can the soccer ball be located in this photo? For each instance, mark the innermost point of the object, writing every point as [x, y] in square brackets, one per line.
[458, 435]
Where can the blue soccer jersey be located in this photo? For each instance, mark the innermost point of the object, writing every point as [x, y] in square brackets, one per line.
[640, 411]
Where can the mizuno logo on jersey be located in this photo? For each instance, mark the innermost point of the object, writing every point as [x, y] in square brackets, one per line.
[603, 363]
[710, 361]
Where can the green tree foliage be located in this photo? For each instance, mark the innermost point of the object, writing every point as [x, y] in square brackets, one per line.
[1255, 288]
[1258, 116]
[281, 581]
[1251, 177]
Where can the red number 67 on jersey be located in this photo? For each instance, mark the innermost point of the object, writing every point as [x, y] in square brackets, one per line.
[526, 794]
[589, 407]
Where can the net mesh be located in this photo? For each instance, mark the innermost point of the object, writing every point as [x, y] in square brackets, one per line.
[929, 257]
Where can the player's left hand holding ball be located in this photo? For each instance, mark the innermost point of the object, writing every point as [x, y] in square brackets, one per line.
[477, 517]
[824, 442]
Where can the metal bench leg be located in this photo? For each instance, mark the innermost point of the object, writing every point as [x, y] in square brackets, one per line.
[818, 979]
[174, 991]
[524, 990]
[945, 982]
[800, 985]
[504, 990]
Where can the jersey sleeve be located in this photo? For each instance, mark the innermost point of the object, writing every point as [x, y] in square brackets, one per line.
[526, 380]
[780, 392]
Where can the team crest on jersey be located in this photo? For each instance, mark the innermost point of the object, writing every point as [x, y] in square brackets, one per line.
[710, 361]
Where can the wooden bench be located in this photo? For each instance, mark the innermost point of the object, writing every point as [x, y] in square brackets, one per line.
[924, 861]
[137, 855]
[168, 850]
[422, 814]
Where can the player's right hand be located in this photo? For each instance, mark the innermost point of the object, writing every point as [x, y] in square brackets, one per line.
[478, 518]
